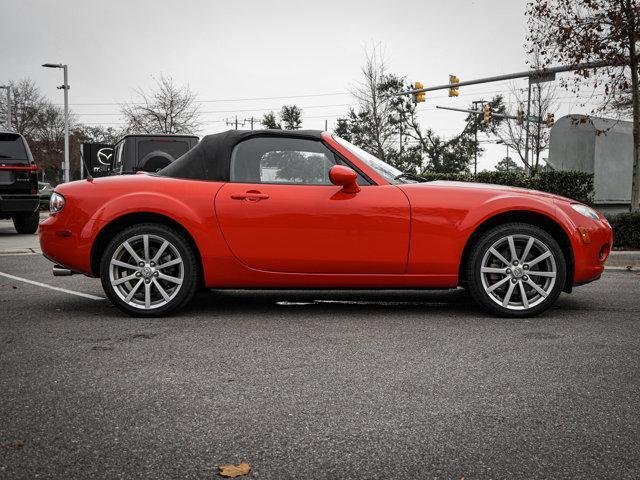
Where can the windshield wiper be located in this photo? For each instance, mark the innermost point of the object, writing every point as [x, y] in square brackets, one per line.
[411, 176]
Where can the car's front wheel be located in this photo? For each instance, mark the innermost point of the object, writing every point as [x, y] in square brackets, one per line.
[149, 270]
[516, 270]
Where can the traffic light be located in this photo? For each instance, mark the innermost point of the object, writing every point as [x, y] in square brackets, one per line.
[550, 120]
[453, 91]
[520, 116]
[487, 113]
[418, 97]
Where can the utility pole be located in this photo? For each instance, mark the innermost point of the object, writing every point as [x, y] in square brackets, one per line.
[475, 104]
[235, 122]
[250, 120]
[326, 125]
[526, 136]
[8, 112]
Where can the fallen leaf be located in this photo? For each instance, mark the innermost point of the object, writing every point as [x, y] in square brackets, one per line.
[13, 445]
[233, 471]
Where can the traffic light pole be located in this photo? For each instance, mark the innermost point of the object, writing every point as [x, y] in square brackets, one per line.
[480, 112]
[543, 74]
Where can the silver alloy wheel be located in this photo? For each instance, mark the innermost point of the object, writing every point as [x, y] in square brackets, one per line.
[146, 271]
[518, 272]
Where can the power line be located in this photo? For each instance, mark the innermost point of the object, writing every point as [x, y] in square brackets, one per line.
[219, 100]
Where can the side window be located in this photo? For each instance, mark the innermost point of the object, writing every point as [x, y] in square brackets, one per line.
[281, 160]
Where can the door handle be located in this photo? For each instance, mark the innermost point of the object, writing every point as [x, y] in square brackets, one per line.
[251, 196]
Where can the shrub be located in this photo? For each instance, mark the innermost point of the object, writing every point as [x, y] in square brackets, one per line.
[452, 177]
[626, 230]
[567, 183]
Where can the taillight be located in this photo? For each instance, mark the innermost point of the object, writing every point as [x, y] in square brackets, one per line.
[56, 204]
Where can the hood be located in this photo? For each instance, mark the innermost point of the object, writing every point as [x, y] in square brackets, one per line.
[499, 188]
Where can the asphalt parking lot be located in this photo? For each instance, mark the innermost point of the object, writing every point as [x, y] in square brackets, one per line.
[315, 384]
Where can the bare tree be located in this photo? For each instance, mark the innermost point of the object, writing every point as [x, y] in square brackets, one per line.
[576, 31]
[169, 108]
[27, 104]
[543, 101]
[374, 104]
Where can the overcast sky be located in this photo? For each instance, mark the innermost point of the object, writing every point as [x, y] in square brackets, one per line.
[231, 49]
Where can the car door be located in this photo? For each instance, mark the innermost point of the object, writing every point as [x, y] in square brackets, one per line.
[281, 213]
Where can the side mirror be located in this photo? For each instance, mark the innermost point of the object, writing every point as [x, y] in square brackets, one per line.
[344, 177]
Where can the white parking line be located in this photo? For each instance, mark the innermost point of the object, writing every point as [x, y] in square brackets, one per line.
[51, 287]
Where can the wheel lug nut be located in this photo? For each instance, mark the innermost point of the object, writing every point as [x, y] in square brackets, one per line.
[514, 280]
[525, 278]
[138, 274]
[509, 271]
[155, 274]
[515, 262]
[147, 281]
[525, 266]
[153, 264]
[141, 264]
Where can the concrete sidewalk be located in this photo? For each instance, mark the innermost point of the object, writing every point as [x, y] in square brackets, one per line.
[13, 244]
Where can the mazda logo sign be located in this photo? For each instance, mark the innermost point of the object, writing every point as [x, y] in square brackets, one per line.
[104, 156]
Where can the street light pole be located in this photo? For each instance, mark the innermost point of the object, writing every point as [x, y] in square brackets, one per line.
[65, 87]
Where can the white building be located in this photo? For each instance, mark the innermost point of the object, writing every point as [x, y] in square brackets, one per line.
[601, 146]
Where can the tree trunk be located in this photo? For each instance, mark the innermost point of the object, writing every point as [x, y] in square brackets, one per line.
[635, 184]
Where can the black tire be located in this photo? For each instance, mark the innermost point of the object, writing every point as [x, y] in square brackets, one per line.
[177, 242]
[27, 223]
[490, 301]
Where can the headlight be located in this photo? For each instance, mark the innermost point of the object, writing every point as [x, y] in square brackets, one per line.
[586, 211]
[56, 204]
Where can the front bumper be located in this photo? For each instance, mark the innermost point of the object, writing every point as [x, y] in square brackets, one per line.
[591, 257]
[18, 203]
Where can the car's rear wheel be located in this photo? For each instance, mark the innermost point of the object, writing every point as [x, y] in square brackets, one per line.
[149, 270]
[516, 270]
[27, 222]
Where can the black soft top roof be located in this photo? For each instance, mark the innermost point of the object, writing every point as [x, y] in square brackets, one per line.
[211, 157]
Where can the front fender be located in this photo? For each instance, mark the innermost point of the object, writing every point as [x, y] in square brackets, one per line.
[513, 203]
[443, 223]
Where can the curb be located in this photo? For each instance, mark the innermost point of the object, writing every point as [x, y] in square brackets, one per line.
[623, 260]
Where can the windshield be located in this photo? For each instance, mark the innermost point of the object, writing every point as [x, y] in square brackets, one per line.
[386, 171]
[12, 147]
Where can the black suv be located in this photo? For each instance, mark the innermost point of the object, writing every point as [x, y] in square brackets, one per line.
[19, 198]
[149, 153]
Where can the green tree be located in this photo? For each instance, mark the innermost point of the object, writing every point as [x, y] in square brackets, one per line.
[269, 121]
[508, 165]
[291, 117]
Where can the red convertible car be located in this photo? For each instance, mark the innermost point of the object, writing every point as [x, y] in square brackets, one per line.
[274, 209]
